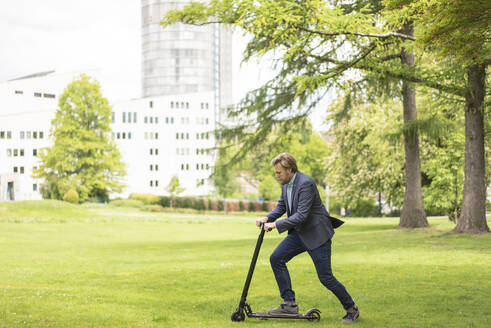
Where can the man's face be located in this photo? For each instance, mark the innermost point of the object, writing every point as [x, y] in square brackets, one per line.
[282, 175]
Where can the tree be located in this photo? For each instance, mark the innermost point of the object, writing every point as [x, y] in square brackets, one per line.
[322, 42]
[366, 159]
[174, 187]
[308, 147]
[458, 31]
[82, 157]
[320, 47]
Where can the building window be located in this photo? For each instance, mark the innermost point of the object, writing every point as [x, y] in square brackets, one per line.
[151, 183]
[37, 94]
[171, 120]
[113, 117]
[151, 167]
[151, 104]
[202, 106]
[28, 134]
[21, 170]
[156, 183]
[171, 104]
[124, 117]
[49, 95]
[124, 135]
[22, 152]
[156, 120]
[118, 135]
[35, 187]
[129, 117]
[2, 134]
[129, 135]
[187, 105]
[156, 135]
[156, 151]
[19, 92]
[34, 135]
[134, 117]
[151, 151]
[9, 134]
[34, 152]
[156, 167]
[177, 104]
[9, 152]
[15, 169]
[145, 120]
[41, 134]
[16, 152]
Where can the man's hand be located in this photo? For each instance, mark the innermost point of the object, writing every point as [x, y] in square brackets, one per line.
[261, 221]
[269, 226]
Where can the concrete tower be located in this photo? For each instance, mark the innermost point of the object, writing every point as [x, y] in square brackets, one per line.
[182, 58]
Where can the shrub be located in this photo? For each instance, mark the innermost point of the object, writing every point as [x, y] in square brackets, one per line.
[71, 196]
[147, 199]
[126, 203]
[264, 206]
[221, 205]
[153, 208]
[251, 206]
[165, 201]
[187, 202]
[241, 206]
[199, 204]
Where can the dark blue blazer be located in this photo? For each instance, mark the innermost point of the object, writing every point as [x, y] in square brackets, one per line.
[308, 215]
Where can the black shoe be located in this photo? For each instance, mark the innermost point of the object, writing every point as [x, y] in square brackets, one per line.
[284, 309]
[351, 315]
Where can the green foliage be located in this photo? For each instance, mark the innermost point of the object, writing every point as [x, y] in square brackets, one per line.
[364, 161]
[458, 29]
[174, 187]
[359, 208]
[71, 196]
[147, 199]
[308, 147]
[83, 157]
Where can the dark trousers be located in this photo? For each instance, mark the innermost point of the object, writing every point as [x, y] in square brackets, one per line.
[290, 247]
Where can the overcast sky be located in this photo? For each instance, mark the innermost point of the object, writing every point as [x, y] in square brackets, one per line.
[104, 35]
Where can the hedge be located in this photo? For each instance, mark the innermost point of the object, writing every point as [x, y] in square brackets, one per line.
[202, 204]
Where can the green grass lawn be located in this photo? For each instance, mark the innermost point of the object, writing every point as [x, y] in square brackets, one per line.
[63, 265]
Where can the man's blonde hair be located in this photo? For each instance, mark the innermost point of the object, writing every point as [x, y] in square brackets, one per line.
[286, 160]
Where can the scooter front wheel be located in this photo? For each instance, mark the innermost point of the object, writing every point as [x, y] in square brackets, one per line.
[238, 315]
[313, 315]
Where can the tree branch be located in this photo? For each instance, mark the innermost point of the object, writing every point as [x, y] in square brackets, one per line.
[369, 35]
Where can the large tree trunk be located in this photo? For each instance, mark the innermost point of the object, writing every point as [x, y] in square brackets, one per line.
[473, 216]
[412, 214]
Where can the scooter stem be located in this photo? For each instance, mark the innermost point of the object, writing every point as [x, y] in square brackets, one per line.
[251, 268]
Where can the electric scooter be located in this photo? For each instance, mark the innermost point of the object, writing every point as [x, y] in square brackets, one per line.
[244, 309]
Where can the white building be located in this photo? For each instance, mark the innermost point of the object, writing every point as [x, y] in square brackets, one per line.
[157, 137]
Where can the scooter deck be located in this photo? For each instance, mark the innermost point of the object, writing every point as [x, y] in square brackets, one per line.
[265, 315]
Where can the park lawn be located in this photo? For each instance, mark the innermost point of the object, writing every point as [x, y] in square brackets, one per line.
[63, 265]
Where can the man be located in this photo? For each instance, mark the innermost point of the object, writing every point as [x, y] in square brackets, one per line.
[310, 228]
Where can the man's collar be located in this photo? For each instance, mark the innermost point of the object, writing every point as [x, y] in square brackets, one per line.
[292, 180]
